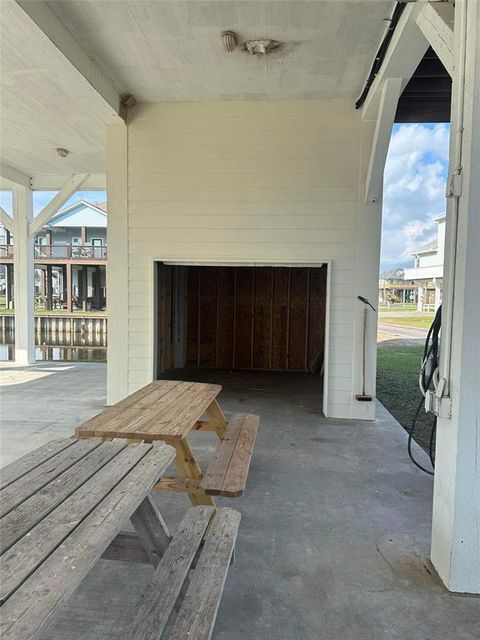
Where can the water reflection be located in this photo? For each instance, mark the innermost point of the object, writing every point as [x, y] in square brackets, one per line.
[69, 346]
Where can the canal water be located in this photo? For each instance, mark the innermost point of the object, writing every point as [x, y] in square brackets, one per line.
[72, 346]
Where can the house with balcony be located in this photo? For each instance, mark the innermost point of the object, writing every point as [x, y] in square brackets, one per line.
[427, 272]
[394, 288]
[70, 256]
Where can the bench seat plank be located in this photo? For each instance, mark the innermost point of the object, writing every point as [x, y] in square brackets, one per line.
[198, 611]
[33, 602]
[156, 604]
[227, 472]
[24, 517]
[26, 463]
[20, 490]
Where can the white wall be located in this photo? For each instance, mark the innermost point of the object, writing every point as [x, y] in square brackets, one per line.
[271, 182]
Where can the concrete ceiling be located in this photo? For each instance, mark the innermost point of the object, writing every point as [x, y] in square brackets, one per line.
[164, 51]
[171, 50]
[42, 107]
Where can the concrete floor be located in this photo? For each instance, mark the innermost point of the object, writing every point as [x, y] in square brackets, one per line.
[335, 529]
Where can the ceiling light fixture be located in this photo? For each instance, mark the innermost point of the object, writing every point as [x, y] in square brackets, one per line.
[260, 47]
[229, 41]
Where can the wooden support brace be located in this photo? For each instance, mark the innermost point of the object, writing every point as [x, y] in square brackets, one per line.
[188, 468]
[128, 548]
[217, 418]
[6, 220]
[56, 203]
[151, 530]
[436, 22]
[183, 485]
[381, 140]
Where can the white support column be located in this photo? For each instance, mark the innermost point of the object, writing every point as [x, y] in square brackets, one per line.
[24, 276]
[455, 549]
[117, 264]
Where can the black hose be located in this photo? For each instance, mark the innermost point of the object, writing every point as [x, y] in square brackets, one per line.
[380, 55]
[430, 350]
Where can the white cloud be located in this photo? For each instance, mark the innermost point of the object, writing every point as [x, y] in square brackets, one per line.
[414, 189]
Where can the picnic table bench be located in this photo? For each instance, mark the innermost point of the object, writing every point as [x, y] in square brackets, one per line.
[62, 508]
[168, 410]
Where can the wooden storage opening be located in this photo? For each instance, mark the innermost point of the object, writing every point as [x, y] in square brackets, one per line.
[265, 318]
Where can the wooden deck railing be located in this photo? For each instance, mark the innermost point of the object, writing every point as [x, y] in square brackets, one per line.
[6, 251]
[59, 252]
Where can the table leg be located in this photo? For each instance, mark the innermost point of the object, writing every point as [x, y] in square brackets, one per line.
[188, 467]
[151, 529]
[217, 418]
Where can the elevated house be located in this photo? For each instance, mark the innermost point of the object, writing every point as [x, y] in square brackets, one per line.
[70, 257]
[393, 287]
[427, 272]
[245, 194]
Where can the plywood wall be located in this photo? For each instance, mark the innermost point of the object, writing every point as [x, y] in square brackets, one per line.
[256, 317]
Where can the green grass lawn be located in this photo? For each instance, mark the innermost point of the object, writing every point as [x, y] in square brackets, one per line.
[416, 322]
[397, 387]
[398, 306]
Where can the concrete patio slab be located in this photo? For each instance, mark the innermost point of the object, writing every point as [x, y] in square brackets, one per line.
[335, 530]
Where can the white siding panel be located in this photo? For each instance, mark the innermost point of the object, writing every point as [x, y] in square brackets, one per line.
[209, 151]
[315, 221]
[247, 182]
[240, 209]
[239, 194]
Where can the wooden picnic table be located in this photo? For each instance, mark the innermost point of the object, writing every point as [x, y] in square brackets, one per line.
[168, 410]
[61, 508]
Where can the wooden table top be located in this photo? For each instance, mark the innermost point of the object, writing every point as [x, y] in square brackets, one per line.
[163, 410]
[62, 505]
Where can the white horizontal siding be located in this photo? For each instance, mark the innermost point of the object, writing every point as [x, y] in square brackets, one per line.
[246, 182]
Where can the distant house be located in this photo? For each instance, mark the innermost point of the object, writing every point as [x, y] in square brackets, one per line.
[70, 255]
[394, 288]
[427, 271]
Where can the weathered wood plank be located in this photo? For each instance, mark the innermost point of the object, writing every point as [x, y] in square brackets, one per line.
[127, 548]
[235, 478]
[151, 530]
[18, 491]
[156, 604]
[228, 470]
[35, 600]
[217, 417]
[198, 612]
[24, 517]
[28, 462]
[167, 412]
[183, 416]
[21, 560]
[106, 422]
[188, 467]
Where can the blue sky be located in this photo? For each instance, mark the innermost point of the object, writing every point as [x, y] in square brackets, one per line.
[41, 198]
[414, 190]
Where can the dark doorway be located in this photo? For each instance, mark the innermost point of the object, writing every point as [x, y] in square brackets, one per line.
[254, 318]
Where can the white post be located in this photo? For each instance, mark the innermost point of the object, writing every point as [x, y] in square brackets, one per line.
[23, 276]
[420, 297]
[117, 264]
[438, 297]
[456, 504]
